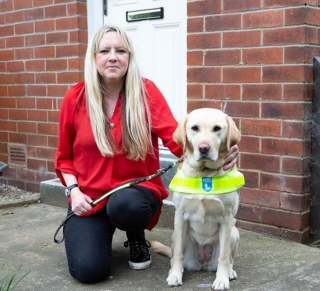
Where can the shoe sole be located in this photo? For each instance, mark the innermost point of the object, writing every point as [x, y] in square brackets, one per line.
[140, 266]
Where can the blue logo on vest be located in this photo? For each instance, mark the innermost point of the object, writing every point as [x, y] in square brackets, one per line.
[206, 184]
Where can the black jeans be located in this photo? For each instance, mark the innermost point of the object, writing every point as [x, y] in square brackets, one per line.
[88, 239]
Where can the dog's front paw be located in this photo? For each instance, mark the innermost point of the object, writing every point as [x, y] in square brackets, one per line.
[232, 274]
[174, 278]
[221, 284]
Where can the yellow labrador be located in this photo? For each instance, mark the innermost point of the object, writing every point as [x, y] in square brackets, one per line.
[205, 236]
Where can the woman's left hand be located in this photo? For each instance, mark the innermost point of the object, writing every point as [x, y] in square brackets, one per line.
[232, 158]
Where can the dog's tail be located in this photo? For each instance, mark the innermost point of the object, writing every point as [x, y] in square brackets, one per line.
[161, 248]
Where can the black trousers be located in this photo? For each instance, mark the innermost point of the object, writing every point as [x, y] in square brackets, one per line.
[88, 239]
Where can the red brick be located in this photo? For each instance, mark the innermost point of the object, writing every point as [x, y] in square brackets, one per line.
[222, 92]
[57, 38]
[56, 65]
[314, 16]
[70, 50]
[44, 52]
[45, 153]
[35, 40]
[262, 92]
[241, 75]
[269, 18]
[15, 137]
[249, 144]
[18, 114]
[296, 129]
[7, 125]
[52, 141]
[38, 140]
[37, 115]
[241, 38]
[204, 75]
[285, 74]
[55, 11]
[4, 113]
[24, 28]
[260, 197]
[258, 227]
[241, 109]
[249, 212]
[195, 25]
[195, 58]
[252, 178]
[27, 127]
[6, 55]
[261, 127]
[302, 92]
[294, 202]
[231, 5]
[223, 22]
[26, 103]
[45, 78]
[46, 103]
[34, 14]
[264, 163]
[282, 3]
[14, 41]
[79, 36]
[35, 164]
[203, 41]
[16, 91]
[76, 64]
[77, 8]
[287, 35]
[286, 219]
[263, 56]
[69, 77]
[25, 174]
[300, 236]
[15, 66]
[297, 15]
[195, 91]
[8, 102]
[35, 65]
[298, 54]
[22, 4]
[222, 57]
[37, 3]
[200, 8]
[57, 90]
[195, 104]
[287, 110]
[44, 25]
[296, 166]
[48, 128]
[23, 53]
[53, 116]
[7, 30]
[283, 147]
[36, 90]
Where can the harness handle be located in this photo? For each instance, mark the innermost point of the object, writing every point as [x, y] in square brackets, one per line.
[122, 186]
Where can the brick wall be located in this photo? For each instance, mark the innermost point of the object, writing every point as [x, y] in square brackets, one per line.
[42, 48]
[253, 59]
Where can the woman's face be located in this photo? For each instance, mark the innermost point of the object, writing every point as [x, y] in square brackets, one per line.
[112, 58]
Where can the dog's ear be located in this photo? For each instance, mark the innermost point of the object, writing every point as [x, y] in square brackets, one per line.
[180, 134]
[234, 135]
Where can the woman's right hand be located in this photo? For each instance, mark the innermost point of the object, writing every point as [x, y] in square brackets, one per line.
[80, 202]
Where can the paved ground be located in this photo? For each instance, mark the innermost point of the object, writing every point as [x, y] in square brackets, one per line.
[262, 262]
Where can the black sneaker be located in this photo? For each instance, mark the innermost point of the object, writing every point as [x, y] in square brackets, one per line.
[140, 257]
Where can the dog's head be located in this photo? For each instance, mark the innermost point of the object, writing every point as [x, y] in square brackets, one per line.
[206, 135]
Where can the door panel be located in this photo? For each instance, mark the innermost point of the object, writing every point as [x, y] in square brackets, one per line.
[160, 45]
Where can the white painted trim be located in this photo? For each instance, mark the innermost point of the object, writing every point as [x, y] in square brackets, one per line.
[94, 16]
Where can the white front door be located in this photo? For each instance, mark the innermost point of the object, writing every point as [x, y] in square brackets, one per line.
[160, 44]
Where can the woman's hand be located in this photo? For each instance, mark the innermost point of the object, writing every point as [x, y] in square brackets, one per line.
[80, 202]
[232, 158]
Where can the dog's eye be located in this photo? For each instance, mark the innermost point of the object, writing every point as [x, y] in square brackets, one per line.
[216, 128]
[195, 128]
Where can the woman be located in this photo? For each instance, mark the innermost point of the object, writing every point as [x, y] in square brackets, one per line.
[108, 134]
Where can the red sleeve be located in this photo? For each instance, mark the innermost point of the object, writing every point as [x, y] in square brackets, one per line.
[163, 121]
[64, 153]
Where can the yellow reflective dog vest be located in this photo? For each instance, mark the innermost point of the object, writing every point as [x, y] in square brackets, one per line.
[230, 182]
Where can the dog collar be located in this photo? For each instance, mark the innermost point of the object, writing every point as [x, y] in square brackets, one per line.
[230, 182]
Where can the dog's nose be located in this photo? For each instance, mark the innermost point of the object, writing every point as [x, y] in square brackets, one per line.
[204, 148]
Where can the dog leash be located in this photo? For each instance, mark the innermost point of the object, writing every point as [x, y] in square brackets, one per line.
[104, 196]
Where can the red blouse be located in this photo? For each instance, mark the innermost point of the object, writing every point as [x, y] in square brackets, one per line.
[78, 154]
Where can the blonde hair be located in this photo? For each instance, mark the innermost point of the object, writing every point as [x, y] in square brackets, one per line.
[135, 115]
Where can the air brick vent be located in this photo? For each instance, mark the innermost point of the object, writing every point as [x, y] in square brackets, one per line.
[17, 154]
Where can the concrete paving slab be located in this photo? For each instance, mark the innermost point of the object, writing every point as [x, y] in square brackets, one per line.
[262, 262]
